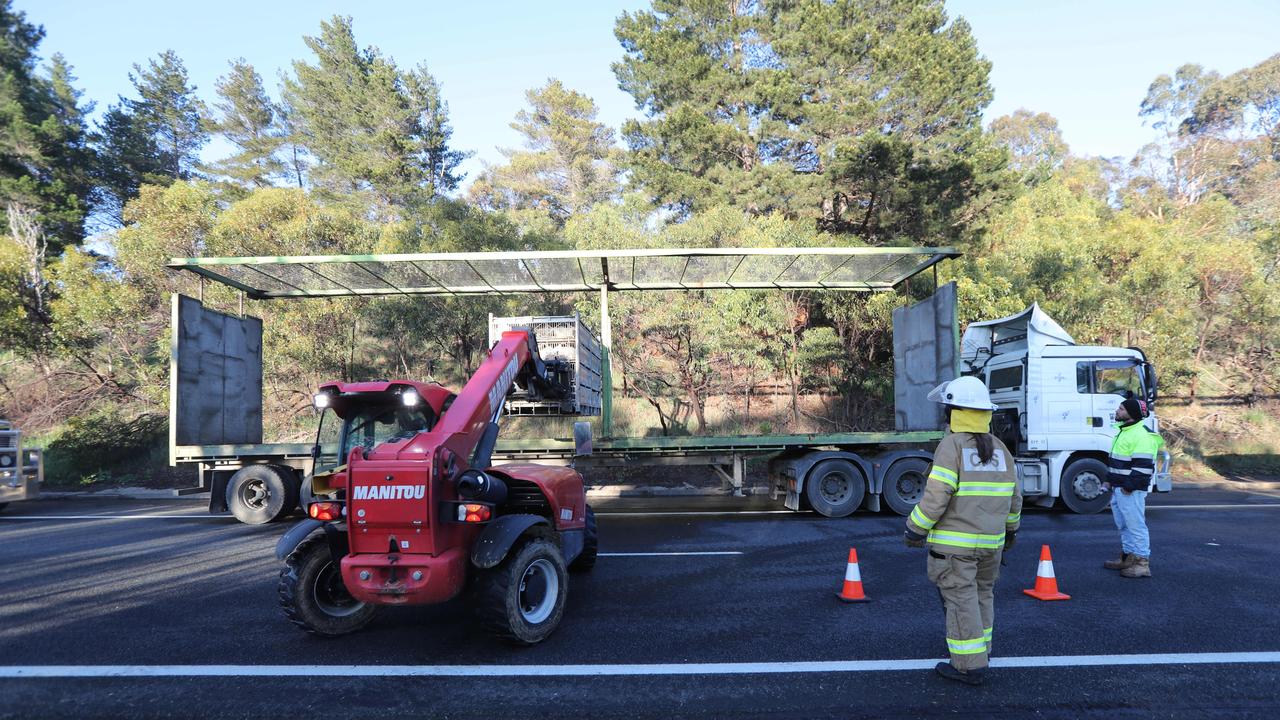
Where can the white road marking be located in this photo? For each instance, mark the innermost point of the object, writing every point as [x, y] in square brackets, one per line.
[139, 516]
[747, 668]
[703, 512]
[1235, 506]
[670, 554]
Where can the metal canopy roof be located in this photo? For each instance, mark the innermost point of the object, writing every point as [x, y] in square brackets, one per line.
[488, 273]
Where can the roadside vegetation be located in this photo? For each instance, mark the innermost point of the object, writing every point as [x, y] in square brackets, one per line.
[804, 122]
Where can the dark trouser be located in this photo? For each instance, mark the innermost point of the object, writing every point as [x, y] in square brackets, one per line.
[967, 584]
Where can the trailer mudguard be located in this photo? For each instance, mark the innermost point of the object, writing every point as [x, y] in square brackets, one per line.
[802, 464]
[498, 537]
[335, 534]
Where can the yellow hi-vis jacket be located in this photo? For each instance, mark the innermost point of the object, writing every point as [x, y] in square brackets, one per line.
[967, 505]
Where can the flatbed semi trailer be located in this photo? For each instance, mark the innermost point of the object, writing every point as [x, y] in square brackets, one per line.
[864, 463]
[1055, 396]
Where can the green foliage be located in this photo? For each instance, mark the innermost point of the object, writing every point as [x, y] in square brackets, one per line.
[372, 127]
[153, 139]
[43, 149]
[95, 447]
[1034, 142]
[250, 121]
[861, 117]
[566, 168]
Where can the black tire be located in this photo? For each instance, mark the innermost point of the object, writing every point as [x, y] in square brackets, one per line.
[590, 545]
[835, 488]
[260, 494]
[904, 484]
[1081, 487]
[522, 599]
[313, 595]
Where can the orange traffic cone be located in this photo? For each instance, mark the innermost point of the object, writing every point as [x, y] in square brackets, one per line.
[1046, 583]
[852, 591]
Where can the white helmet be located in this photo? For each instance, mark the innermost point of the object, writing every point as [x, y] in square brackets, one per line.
[965, 392]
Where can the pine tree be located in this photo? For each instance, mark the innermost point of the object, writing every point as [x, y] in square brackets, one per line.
[42, 139]
[171, 113]
[154, 139]
[371, 127]
[248, 120]
[566, 164]
[863, 115]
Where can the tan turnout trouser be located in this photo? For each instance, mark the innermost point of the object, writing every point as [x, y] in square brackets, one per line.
[967, 585]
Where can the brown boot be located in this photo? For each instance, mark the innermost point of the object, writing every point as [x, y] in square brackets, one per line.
[1120, 563]
[1140, 568]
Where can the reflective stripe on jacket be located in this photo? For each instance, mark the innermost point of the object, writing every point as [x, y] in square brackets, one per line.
[968, 505]
[1132, 464]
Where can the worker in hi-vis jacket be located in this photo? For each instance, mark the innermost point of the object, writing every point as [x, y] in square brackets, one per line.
[968, 517]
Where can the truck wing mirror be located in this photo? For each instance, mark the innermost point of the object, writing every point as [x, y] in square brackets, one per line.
[581, 439]
[315, 452]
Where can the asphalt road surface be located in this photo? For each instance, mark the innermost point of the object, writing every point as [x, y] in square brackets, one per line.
[153, 609]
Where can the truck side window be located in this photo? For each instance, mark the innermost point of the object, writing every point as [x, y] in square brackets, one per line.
[1084, 373]
[1121, 378]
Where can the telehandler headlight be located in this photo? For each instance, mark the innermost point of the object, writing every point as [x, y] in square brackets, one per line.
[410, 397]
[322, 400]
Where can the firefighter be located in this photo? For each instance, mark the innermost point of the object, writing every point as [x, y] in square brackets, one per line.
[969, 515]
[1130, 470]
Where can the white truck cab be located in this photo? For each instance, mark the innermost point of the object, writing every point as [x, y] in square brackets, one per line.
[1057, 401]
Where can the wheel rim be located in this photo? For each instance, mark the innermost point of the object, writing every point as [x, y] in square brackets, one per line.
[910, 486]
[539, 589]
[254, 494]
[1086, 485]
[836, 487]
[331, 594]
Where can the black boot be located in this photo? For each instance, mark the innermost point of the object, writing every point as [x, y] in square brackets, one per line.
[951, 672]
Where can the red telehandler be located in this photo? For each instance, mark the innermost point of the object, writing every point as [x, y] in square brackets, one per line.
[406, 509]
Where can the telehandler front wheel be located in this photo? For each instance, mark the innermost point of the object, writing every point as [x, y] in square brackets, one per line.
[522, 599]
[313, 595]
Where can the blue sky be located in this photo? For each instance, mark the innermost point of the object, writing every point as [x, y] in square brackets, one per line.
[1087, 62]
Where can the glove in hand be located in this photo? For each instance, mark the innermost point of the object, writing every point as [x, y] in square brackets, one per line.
[913, 540]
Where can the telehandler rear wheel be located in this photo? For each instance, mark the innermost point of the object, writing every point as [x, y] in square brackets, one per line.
[313, 595]
[522, 599]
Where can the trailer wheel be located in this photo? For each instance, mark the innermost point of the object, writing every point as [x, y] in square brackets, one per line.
[259, 494]
[522, 599]
[904, 484]
[313, 595]
[1081, 486]
[835, 488]
[590, 545]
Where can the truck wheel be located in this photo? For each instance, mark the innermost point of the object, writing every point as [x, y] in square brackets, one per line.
[522, 599]
[259, 494]
[1081, 486]
[904, 484]
[835, 488]
[313, 595]
[590, 545]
